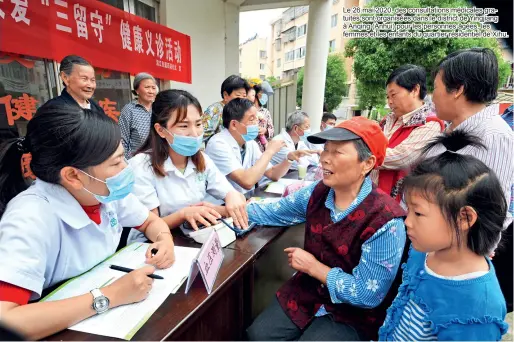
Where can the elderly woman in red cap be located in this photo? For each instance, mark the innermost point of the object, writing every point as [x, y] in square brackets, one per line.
[354, 243]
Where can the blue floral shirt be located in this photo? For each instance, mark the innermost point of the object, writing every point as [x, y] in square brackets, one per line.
[371, 279]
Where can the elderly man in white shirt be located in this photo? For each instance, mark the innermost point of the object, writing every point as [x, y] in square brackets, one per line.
[237, 155]
[298, 128]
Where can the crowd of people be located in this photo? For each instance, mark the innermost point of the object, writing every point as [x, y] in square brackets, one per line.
[408, 236]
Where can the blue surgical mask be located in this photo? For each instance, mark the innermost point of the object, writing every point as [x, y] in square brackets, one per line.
[252, 131]
[327, 127]
[264, 99]
[119, 185]
[306, 133]
[184, 145]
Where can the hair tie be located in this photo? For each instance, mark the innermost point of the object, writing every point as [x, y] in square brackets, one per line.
[21, 143]
[452, 151]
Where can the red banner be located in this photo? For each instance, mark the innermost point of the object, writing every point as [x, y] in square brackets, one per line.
[107, 37]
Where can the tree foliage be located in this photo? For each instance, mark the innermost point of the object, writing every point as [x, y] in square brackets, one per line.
[335, 84]
[375, 59]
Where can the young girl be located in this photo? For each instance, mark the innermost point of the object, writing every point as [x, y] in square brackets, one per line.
[456, 212]
[69, 220]
[172, 175]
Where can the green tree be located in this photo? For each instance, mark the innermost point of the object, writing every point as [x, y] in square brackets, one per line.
[273, 81]
[375, 59]
[335, 84]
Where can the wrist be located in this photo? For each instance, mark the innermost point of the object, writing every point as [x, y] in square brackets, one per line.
[163, 236]
[111, 293]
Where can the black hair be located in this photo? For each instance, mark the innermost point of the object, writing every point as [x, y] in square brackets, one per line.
[474, 69]
[258, 89]
[328, 116]
[69, 61]
[235, 110]
[232, 83]
[166, 104]
[408, 76]
[58, 135]
[454, 181]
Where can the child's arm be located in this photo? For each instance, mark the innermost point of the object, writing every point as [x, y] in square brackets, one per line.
[473, 331]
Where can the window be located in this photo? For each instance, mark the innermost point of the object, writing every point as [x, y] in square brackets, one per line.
[332, 45]
[279, 63]
[302, 30]
[261, 66]
[113, 91]
[299, 53]
[114, 3]
[26, 83]
[145, 11]
[262, 54]
[278, 44]
[289, 56]
[240, 52]
[262, 77]
[333, 21]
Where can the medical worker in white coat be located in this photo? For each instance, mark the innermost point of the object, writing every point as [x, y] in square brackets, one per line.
[69, 220]
[173, 177]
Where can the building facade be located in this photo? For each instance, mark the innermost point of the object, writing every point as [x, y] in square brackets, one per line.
[288, 46]
[253, 58]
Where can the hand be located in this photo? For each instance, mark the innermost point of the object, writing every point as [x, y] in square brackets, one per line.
[165, 256]
[301, 260]
[296, 155]
[235, 203]
[262, 130]
[275, 145]
[131, 288]
[204, 214]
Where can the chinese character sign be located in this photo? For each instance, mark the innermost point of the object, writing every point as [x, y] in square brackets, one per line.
[106, 36]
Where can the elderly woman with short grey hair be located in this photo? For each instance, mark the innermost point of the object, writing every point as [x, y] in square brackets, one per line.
[298, 128]
[136, 116]
[347, 272]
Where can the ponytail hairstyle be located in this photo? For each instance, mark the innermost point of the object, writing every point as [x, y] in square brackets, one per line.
[454, 181]
[58, 135]
[169, 104]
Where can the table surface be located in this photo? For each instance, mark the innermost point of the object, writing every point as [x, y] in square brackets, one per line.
[177, 308]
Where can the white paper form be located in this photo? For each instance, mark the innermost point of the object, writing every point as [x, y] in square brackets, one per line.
[279, 186]
[124, 321]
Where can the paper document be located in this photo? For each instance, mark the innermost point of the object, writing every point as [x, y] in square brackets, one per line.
[279, 186]
[124, 321]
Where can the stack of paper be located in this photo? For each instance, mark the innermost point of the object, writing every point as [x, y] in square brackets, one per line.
[123, 322]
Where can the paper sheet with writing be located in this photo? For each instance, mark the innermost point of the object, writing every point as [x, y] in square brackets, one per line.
[124, 321]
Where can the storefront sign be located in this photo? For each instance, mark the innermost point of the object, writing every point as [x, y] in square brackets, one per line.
[106, 36]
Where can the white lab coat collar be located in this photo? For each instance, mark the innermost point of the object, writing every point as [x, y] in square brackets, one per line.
[170, 167]
[64, 204]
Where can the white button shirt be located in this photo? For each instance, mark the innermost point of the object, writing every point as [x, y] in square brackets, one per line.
[46, 237]
[177, 190]
[290, 147]
[226, 154]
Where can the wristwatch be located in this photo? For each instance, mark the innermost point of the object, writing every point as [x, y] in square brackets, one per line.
[100, 302]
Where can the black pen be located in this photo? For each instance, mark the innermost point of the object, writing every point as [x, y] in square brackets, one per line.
[128, 270]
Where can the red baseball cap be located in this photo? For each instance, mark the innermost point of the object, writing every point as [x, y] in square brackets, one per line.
[356, 128]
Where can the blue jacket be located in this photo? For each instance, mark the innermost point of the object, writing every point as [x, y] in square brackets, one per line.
[465, 310]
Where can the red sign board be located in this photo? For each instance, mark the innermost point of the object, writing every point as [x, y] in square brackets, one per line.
[106, 36]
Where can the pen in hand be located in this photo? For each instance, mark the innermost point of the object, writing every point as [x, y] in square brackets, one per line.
[128, 270]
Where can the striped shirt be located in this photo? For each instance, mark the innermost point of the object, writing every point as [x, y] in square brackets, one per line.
[371, 279]
[414, 323]
[134, 123]
[408, 151]
[498, 139]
